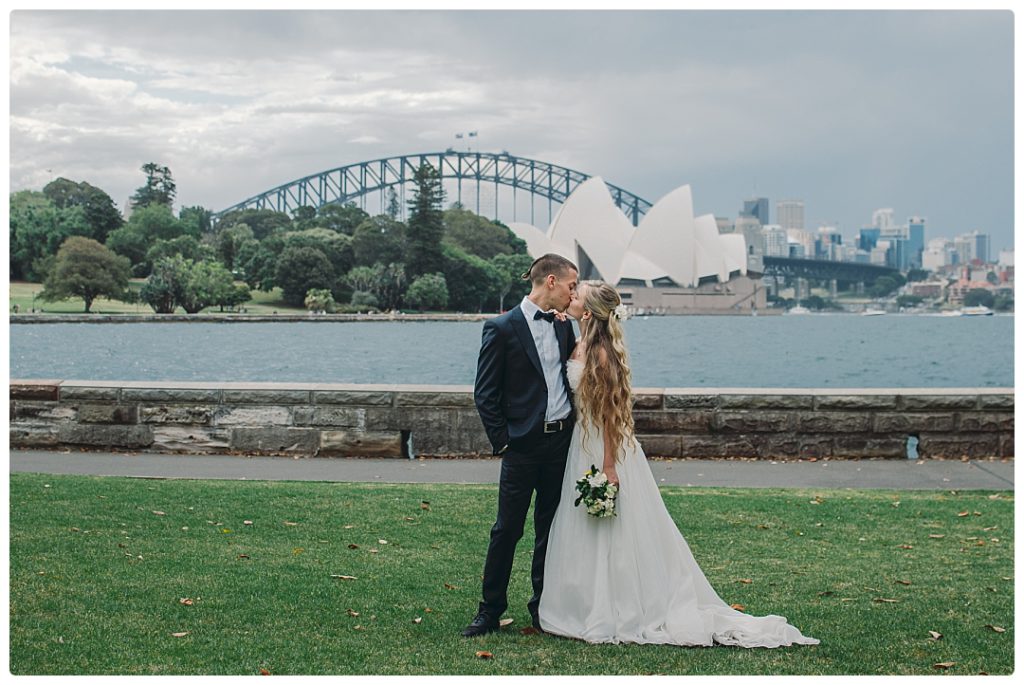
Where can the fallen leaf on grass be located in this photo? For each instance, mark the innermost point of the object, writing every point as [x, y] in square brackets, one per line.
[934, 635]
[449, 586]
[745, 581]
[505, 622]
[247, 522]
[382, 542]
[964, 513]
[290, 523]
[348, 527]
[179, 634]
[944, 664]
[529, 630]
[353, 546]
[485, 655]
[186, 601]
[738, 607]
[885, 599]
[936, 536]
[996, 628]
[826, 593]
[264, 671]
[159, 513]
[906, 547]
[425, 505]
[333, 575]
[374, 550]
[76, 530]
[243, 556]
[225, 530]
[358, 628]
[428, 610]
[351, 613]
[418, 619]
[903, 582]
[298, 550]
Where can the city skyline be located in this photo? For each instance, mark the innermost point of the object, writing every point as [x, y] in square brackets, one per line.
[845, 111]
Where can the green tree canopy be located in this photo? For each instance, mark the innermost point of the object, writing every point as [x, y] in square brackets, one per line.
[429, 291]
[979, 297]
[378, 239]
[476, 235]
[336, 247]
[196, 221]
[147, 225]
[186, 246]
[300, 269]
[85, 268]
[341, 218]
[425, 230]
[262, 222]
[100, 211]
[510, 269]
[158, 190]
[472, 282]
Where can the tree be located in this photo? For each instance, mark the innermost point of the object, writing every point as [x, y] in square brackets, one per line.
[918, 275]
[362, 298]
[99, 209]
[186, 246]
[341, 218]
[196, 221]
[472, 282]
[146, 226]
[319, 300]
[35, 233]
[257, 261]
[337, 247]
[85, 268]
[385, 283]
[229, 242]
[206, 284]
[299, 269]
[262, 222]
[165, 287]
[979, 297]
[425, 232]
[510, 268]
[907, 301]
[393, 207]
[303, 217]
[378, 239]
[159, 189]
[429, 291]
[883, 285]
[476, 235]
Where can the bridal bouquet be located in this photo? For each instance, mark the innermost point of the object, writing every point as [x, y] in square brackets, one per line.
[596, 493]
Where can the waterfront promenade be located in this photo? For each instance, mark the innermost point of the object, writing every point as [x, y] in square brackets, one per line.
[885, 474]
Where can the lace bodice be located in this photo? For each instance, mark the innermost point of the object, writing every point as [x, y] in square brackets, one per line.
[574, 372]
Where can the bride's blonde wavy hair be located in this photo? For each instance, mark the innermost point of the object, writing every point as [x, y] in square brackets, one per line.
[605, 391]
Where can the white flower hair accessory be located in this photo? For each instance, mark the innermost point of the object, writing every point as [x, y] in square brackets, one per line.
[620, 312]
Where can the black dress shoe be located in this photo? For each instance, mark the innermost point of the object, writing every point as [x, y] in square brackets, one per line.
[480, 625]
[536, 624]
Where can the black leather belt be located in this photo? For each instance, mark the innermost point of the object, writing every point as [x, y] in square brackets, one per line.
[556, 426]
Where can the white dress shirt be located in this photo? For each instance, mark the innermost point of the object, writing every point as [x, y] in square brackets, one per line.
[550, 360]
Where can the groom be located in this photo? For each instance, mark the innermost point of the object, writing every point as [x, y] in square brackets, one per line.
[524, 400]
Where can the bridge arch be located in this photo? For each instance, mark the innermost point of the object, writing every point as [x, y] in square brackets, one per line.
[346, 183]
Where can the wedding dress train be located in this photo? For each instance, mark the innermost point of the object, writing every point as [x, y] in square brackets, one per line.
[632, 577]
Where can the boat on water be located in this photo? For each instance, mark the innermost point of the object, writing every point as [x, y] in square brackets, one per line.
[980, 310]
[872, 312]
[951, 312]
[799, 309]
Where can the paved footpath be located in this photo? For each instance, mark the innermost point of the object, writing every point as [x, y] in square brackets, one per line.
[868, 473]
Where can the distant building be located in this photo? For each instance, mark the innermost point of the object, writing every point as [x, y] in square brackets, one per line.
[915, 237]
[756, 207]
[826, 241]
[789, 214]
[1006, 257]
[868, 237]
[927, 288]
[802, 238]
[972, 246]
[883, 218]
[776, 243]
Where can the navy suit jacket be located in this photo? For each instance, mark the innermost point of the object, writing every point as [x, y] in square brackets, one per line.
[510, 392]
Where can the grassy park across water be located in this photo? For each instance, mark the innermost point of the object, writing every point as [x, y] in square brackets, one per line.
[142, 576]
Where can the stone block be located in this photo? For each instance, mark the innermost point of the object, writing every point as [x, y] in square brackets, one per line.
[753, 421]
[815, 446]
[937, 402]
[360, 444]
[433, 399]
[985, 421]
[357, 397]
[347, 417]
[75, 392]
[36, 412]
[170, 395]
[854, 402]
[383, 419]
[275, 440]
[690, 401]
[648, 401]
[43, 390]
[108, 413]
[28, 435]
[1006, 445]
[193, 439]
[957, 445]
[716, 446]
[766, 402]
[672, 421]
[191, 414]
[266, 396]
[908, 424]
[252, 416]
[834, 422]
[660, 445]
[869, 447]
[99, 435]
[781, 446]
[996, 402]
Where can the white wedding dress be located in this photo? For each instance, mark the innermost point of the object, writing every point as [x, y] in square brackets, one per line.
[632, 577]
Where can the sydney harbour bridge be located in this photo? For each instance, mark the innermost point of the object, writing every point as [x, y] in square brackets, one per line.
[537, 180]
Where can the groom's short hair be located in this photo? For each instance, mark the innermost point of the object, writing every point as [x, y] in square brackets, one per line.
[548, 264]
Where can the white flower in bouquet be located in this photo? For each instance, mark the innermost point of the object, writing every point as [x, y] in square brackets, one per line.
[621, 313]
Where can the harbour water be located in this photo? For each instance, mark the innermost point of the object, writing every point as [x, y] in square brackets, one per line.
[820, 351]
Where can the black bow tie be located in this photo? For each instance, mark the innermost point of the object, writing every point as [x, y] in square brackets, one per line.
[547, 316]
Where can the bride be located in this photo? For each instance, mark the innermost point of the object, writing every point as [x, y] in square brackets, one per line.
[631, 577]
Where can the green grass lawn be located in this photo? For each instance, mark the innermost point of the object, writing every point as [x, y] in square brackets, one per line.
[99, 568]
[21, 293]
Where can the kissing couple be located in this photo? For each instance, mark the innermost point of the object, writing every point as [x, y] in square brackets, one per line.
[554, 405]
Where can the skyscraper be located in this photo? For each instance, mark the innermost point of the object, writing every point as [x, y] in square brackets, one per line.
[883, 218]
[790, 214]
[915, 240]
[756, 207]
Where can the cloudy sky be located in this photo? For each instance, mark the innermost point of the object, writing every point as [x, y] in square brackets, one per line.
[847, 111]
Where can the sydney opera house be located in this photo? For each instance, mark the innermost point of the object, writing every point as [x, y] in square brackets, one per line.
[672, 263]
